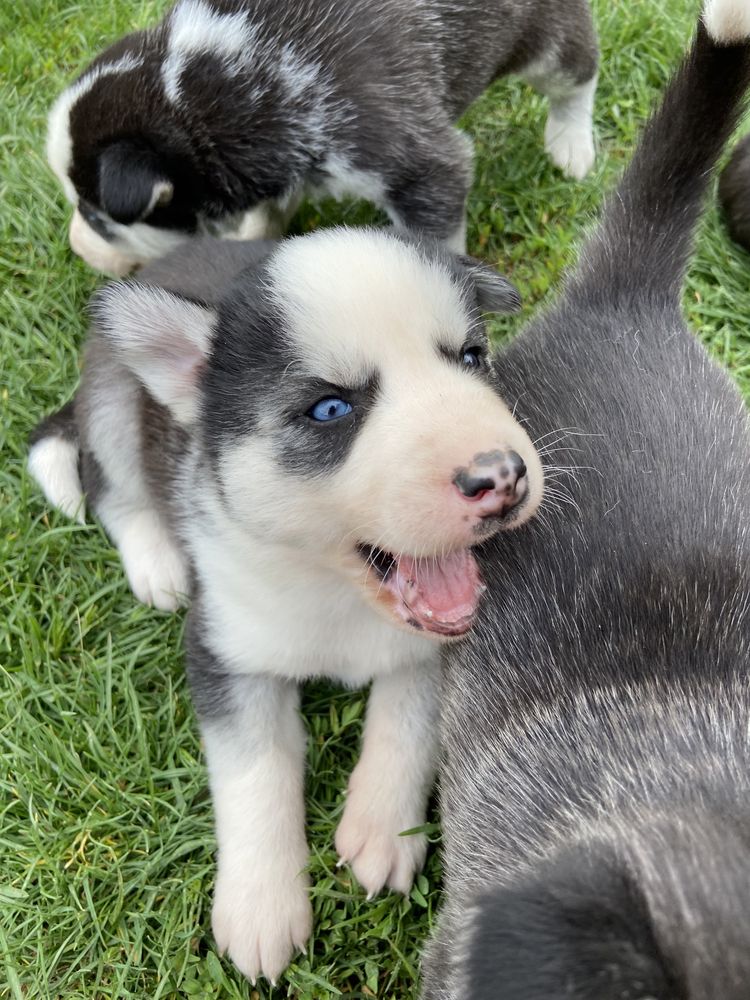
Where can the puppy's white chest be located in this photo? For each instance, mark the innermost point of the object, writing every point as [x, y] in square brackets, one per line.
[300, 624]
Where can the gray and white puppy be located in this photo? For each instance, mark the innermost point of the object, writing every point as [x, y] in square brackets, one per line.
[311, 459]
[596, 792]
[218, 118]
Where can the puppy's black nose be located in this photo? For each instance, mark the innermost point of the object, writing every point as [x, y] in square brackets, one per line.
[492, 482]
[470, 485]
[517, 464]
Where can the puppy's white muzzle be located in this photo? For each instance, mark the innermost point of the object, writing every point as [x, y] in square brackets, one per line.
[96, 251]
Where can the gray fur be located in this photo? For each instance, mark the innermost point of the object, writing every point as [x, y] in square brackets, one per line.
[596, 720]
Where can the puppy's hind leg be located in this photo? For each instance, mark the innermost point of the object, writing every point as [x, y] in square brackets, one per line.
[389, 787]
[567, 75]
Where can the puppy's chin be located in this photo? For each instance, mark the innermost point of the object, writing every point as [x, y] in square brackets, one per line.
[96, 251]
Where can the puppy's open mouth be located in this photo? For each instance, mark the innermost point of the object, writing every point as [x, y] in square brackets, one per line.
[437, 594]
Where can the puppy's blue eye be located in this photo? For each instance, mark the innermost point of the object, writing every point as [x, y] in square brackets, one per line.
[329, 408]
[472, 357]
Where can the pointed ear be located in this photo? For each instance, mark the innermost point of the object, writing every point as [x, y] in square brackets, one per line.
[162, 338]
[494, 292]
[131, 182]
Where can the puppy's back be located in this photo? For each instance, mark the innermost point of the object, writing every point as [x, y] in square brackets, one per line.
[596, 719]
[204, 268]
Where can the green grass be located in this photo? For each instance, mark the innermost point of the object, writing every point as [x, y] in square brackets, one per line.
[106, 828]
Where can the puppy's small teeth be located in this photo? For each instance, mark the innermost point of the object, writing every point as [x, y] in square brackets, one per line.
[429, 613]
[340, 863]
[370, 895]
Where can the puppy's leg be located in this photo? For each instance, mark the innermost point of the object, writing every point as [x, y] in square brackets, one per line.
[109, 408]
[153, 563]
[389, 787]
[430, 195]
[255, 750]
[268, 220]
[567, 75]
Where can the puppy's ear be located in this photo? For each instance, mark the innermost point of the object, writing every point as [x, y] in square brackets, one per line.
[131, 182]
[493, 291]
[162, 338]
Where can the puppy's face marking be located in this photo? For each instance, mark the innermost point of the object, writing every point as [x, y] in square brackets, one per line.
[374, 393]
[345, 384]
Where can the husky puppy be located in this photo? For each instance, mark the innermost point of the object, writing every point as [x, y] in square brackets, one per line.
[734, 193]
[597, 779]
[311, 458]
[218, 118]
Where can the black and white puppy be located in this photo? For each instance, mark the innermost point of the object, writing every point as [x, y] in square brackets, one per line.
[217, 119]
[734, 193]
[311, 459]
[596, 793]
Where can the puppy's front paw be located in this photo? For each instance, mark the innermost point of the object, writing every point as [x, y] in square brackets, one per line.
[570, 146]
[368, 839]
[154, 566]
[261, 925]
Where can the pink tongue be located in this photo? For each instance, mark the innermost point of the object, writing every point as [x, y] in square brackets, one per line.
[440, 595]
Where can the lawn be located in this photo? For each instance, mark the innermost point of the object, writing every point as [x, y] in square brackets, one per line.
[106, 833]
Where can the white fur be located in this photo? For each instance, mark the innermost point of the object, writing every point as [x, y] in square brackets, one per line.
[293, 614]
[154, 566]
[131, 245]
[297, 74]
[259, 223]
[96, 251]
[261, 912]
[180, 331]
[53, 463]
[143, 242]
[727, 21]
[195, 29]
[568, 135]
[343, 180]
[389, 786]
[382, 309]
[59, 143]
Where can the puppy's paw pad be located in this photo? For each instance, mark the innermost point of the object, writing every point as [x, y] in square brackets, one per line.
[378, 856]
[570, 147]
[261, 929]
[155, 567]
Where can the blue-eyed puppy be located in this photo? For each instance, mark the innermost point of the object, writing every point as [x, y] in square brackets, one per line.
[311, 459]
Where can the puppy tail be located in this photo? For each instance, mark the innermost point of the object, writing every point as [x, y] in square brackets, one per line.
[53, 462]
[656, 911]
[642, 246]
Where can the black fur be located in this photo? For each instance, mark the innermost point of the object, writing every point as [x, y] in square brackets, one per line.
[61, 424]
[596, 720]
